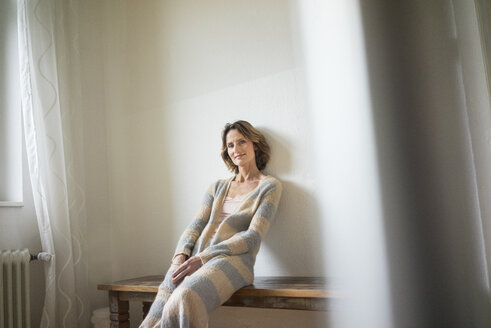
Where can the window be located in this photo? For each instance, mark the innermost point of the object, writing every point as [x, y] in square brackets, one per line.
[10, 109]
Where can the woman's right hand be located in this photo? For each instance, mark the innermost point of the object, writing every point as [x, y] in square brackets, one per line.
[186, 269]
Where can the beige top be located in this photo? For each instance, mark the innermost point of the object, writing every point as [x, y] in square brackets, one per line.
[229, 206]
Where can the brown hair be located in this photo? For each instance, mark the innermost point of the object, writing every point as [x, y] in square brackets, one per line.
[262, 151]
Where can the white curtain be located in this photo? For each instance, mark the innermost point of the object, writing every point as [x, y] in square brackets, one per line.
[398, 94]
[49, 68]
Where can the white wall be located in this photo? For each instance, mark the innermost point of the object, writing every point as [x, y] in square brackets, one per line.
[169, 75]
[97, 196]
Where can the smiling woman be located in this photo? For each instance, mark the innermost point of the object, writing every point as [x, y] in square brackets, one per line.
[215, 255]
[242, 131]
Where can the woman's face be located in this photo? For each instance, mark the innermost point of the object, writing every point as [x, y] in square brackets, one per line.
[240, 149]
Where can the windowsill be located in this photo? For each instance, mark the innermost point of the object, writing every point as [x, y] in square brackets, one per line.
[11, 204]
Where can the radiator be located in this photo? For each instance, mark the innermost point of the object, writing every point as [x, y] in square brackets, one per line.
[14, 289]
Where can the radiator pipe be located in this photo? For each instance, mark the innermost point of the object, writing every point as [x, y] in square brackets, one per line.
[42, 256]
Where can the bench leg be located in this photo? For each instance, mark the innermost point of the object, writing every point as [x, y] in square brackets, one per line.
[146, 308]
[120, 317]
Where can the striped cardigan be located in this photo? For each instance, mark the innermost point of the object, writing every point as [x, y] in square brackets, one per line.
[228, 256]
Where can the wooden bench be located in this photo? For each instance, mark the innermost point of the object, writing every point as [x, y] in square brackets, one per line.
[294, 293]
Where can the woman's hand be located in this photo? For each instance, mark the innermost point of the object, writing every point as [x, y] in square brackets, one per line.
[179, 259]
[187, 268]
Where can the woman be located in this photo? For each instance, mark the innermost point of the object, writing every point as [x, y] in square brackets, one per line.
[215, 255]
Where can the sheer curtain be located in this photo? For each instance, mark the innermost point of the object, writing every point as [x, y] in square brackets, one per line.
[402, 132]
[49, 68]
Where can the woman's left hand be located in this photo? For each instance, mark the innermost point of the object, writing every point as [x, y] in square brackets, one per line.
[187, 268]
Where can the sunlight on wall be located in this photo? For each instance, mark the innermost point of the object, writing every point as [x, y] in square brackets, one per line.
[338, 94]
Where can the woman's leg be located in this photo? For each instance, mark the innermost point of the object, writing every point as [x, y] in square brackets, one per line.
[190, 305]
[165, 290]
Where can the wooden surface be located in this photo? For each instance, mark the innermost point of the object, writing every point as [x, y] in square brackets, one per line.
[142, 284]
[119, 311]
[296, 293]
[312, 287]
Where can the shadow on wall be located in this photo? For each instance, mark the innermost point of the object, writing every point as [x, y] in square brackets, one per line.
[280, 161]
[294, 240]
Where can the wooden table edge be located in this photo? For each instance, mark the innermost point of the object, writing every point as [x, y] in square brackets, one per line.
[256, 292]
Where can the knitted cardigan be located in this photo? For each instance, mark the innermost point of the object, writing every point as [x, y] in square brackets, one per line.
[241, 232]
[228, 256]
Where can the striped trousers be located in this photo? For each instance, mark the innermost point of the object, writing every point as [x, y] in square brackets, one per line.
[190, 304]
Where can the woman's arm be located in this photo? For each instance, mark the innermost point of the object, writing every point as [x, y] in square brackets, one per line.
[246, 241]
[188, 238]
